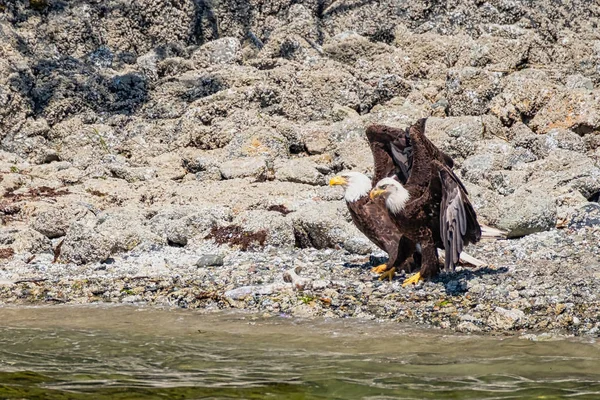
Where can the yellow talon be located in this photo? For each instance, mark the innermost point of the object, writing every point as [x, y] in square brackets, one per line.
[388, 274]
[379, 269]
[413, 279]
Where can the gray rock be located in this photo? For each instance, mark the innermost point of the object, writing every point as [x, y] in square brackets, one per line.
[300, 170]
[326, 225]
[527, 210]
[224, 50]
[132, 174]
[254, 167]
[470, 90]
[587, 215]
[263, 290]
[83, 244]
[55, 222]
[578, 81]
[30, 241]
[258, 142]
[279, 228]
[565, 170]
[467, 326]
[564, 139]
[316, 141]
[180, 225]
[210, 260]
[525, 93]
[479, 167]
[518, 155]
[457, 136]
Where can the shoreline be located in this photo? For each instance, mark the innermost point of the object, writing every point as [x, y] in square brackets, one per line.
[517, 292]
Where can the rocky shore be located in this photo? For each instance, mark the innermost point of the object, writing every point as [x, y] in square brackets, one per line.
[178, 153]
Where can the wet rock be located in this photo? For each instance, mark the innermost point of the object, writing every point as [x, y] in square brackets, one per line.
[210, 260]
[504, 319]
[527, 210]
[467, 326]
[244, 292]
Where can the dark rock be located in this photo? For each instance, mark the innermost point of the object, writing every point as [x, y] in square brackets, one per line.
[588, 215]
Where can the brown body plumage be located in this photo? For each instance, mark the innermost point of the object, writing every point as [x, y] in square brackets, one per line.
[373, 220]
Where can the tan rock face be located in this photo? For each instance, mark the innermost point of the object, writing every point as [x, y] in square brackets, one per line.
[141, 113]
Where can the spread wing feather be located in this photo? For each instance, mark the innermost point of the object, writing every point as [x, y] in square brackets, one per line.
[458, 222]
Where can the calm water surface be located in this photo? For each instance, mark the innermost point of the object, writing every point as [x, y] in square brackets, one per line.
[146, 353]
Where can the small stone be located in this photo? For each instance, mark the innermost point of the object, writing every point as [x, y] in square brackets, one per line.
[210, 260]
[467, 326]
[503, 319]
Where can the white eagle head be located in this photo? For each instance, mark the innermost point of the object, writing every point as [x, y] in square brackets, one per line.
[356, 184]
[393, 192]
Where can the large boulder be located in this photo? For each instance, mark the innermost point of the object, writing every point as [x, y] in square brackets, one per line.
[326, 225]
[527, 210]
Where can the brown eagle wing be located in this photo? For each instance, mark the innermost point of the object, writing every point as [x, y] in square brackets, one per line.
[424, 152]
[392, 152]
[458, 221]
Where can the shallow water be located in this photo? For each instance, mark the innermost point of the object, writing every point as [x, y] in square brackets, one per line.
[129, 353]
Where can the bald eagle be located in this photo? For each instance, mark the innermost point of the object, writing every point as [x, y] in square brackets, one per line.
[393, 158]
[371, 218]
[431, 207]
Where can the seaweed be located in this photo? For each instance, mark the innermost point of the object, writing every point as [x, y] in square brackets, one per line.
[42, 191]
[235, 235]
[6, 252]
[280, 208]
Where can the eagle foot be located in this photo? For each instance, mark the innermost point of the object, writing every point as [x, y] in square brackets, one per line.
[379, 269]
[388, 274]
[413, 279]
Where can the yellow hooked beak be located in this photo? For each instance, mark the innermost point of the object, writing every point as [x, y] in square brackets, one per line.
[338, 180]
[375, 192]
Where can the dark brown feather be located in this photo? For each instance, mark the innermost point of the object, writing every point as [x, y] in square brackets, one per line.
[373, 220]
